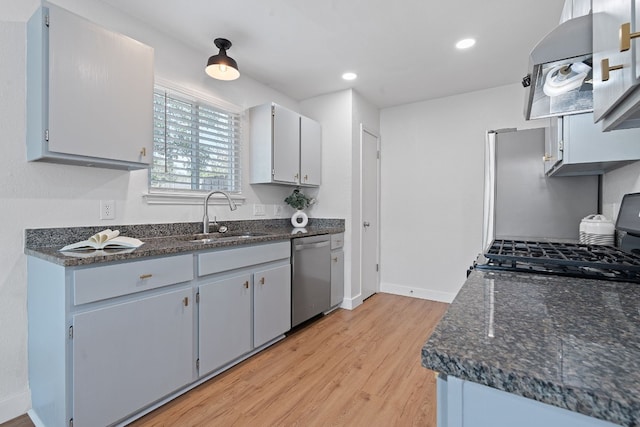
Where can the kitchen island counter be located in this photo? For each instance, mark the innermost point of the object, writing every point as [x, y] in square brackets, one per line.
[571, 343]
[165, 239]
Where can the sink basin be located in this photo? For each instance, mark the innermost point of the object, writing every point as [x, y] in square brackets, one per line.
[212, 237]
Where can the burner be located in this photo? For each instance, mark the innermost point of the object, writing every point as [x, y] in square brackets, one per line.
[568, 259]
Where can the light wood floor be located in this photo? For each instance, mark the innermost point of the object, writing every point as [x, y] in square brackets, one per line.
[350, 368]
[355, 368]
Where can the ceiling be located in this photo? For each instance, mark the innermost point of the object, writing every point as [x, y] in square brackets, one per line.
[403, 51]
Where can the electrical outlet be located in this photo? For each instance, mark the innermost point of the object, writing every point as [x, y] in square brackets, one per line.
[259, 210]
[107, 209]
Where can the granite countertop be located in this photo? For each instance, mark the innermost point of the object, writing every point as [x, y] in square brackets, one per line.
[572, 343]
[165, 239]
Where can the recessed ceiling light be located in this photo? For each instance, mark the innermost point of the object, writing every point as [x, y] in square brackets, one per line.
[349, 76]
[465, 43]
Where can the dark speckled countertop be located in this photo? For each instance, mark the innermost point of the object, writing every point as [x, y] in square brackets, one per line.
[165, 239]
[572, 343]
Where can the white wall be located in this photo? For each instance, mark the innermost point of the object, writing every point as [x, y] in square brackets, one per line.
[37, 195]
[341, 114]
[616, 184]
[432, 187]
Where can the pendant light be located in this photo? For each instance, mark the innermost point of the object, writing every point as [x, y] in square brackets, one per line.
[221, 66]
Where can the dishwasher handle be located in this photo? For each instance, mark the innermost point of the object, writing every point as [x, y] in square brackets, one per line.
[311, 245]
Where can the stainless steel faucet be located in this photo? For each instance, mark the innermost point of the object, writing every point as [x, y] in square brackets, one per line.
[205, 219]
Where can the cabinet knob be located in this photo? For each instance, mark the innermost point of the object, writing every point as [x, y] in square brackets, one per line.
[626, 35]
[606, 68]
[246, 284]
[145, 276]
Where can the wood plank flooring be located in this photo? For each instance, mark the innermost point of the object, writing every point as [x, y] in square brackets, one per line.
[355, 368]
[350, 368]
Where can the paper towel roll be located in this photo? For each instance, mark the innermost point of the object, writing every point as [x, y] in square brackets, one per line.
[299, 219]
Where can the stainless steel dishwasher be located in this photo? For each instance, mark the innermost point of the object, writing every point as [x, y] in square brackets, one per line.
[311, 281]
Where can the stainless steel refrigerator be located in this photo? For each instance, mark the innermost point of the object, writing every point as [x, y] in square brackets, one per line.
[520, 202]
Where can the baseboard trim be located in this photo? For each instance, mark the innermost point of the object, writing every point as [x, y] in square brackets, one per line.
[14, 406]
[415, 292]
[351, 303]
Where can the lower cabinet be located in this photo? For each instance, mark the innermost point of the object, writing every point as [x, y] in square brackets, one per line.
[272, 304]
[337, 269]
[108, 341]
[242, 305]
[130, 354]
[224, 321]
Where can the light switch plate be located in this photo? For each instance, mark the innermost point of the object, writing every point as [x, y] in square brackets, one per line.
[259, 210]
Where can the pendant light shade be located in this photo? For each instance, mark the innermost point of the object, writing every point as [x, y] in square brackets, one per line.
[221, 66]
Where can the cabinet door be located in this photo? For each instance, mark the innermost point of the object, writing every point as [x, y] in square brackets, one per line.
[224, 322]
[337, 277]
[310, 152]
[608, 16]
[272, 304]
[100, 91]
[286, 145]
[128, 355]
[553, 144]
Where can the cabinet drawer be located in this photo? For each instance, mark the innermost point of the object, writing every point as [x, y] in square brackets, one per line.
[337, 241]
[98, 283]
[230, 259]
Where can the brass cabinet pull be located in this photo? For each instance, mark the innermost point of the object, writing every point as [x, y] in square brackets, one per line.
[143, 152]
[262, 281]
[246, 284]
[145, 276]
[185, 301]
[547, 158]
[306, 177]
[606, 69]
[626, 35]
[296, 176]
[335, 259]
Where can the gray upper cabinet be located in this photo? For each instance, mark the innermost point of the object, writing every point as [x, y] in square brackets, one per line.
[616, 69]
[576, 146]
[286, 147]
[89, 93]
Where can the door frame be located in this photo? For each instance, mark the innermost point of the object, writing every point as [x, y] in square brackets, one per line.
[374, 134]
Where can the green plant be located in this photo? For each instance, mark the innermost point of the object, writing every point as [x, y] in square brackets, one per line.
[298, 200]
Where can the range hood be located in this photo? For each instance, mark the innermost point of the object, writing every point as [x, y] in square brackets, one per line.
[560, 75]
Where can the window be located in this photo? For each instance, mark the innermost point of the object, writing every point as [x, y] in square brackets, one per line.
[196, 146]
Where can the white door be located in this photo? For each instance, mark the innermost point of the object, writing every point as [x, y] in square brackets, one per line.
[369, 241]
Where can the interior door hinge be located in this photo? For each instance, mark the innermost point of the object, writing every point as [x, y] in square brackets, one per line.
[46, 135]
[71, 332]
[273, 172]
[197, 363]
[71, 422]
[46, 20]
[197, 297]
[377, 267]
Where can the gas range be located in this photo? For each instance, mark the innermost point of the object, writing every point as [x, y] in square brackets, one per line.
[562, 259]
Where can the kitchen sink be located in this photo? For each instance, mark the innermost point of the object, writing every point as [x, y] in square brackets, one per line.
[212, 237]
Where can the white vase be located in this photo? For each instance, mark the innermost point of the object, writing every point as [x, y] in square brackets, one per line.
[299, 219]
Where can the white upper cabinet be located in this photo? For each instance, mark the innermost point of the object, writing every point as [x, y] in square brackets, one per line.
[286, 147]
[577, 146]
[616, 97]
[89, 93]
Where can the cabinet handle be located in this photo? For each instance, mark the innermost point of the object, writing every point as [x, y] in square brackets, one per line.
[185, 301]
[547, 158]
[606, 69]
[626, 35]
[296, 177]
[246, 284]
[145, 276]
[306, 177]
[143, 152]
[262, 281]
[335, 259]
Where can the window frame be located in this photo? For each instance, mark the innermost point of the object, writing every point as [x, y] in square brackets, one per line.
[157, 195]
